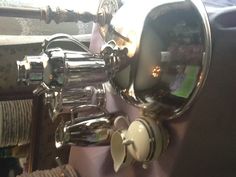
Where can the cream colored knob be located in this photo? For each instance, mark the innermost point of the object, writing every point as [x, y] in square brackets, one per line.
[148, 139]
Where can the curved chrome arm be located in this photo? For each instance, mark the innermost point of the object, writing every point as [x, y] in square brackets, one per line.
[89, 130]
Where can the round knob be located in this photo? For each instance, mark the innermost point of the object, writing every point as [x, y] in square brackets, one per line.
[148, 139]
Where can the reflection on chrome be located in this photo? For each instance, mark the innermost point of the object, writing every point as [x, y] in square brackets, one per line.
[62, 101]
[156, 71]
[89, 129]
[171, 58]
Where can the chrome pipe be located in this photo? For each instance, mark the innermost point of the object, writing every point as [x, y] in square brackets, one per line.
[34, 13]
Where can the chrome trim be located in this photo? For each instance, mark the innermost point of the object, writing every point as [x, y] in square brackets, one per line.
[206, 55]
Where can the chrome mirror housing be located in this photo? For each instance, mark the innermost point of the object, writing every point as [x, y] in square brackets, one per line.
[169, 49]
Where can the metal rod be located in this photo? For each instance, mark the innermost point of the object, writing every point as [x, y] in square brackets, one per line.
[34, 13]
[47, 14]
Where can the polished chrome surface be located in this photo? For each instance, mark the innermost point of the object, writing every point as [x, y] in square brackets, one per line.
[71, 69]
[84, 70]
[58, 68]
[89, 95]
[93, 129]
[169, 50]
[70, 78]
[67, 78]
[64, 100]
[30, 70]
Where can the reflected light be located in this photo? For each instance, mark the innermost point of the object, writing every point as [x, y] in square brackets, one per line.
[128, 22]
[156, 71]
